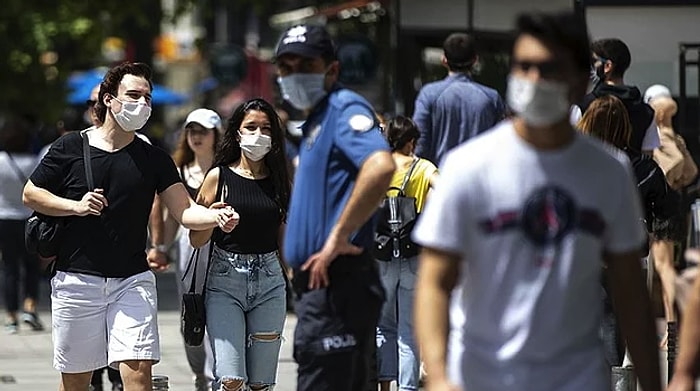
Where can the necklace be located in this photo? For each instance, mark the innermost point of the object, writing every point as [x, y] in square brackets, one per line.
[248, 173]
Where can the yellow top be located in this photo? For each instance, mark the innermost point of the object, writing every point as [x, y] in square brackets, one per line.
[419, 183]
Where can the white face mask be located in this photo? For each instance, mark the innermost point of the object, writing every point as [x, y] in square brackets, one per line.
[541, 103]
[303, 90]
[133, 115]
[255, 146]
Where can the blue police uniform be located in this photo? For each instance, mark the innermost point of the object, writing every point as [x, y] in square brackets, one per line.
[334, 338]
[337, 138]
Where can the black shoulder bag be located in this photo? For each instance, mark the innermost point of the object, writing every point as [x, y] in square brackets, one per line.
[193, 317]
[42, 233]
[395, 219]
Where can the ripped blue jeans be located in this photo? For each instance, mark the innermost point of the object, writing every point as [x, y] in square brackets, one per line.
[246, 308]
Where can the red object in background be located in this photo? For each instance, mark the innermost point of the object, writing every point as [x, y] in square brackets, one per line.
[256, 84]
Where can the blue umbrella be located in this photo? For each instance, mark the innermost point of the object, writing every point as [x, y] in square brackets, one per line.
[81, 85]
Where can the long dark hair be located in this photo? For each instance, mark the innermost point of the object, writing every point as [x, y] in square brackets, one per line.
[229, 151]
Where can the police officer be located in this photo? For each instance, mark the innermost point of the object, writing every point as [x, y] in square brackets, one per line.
[344, 170]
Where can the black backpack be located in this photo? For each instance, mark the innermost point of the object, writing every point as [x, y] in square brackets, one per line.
[395, 220]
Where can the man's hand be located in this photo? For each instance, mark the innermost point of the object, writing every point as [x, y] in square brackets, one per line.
[227, 218]
[681, 382]
[157, 260]
[92, 203]
[318, 263]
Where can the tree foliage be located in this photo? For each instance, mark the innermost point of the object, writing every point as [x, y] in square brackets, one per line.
[43, 41]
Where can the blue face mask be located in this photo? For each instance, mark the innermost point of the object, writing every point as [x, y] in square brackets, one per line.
[303, 90]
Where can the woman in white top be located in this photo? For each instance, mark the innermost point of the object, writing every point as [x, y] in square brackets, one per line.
[193, 156]
[15, 166]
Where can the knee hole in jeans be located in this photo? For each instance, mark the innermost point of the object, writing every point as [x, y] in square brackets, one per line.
[263, 337]
[261, 387]
[231, 384]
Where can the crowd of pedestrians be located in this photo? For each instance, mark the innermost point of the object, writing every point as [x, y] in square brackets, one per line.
[525, 270]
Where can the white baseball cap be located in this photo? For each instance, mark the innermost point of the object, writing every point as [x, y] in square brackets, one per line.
[205, 117]
[656, 91]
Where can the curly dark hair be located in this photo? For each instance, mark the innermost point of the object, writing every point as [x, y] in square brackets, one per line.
[229, 150]
[110, 83]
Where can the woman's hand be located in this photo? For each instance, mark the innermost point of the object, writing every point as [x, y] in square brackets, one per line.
[227, 218]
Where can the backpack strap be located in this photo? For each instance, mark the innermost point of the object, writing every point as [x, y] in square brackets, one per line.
[86, 160]
[408, 175]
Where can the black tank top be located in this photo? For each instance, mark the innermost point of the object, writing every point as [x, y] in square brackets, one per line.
[260, 217]
[191, 190]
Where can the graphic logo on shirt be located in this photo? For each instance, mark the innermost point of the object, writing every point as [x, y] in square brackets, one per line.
[547, 216]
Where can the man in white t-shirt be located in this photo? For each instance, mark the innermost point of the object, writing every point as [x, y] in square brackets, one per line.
[514, 246]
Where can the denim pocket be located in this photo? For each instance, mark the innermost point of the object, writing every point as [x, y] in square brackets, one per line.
[271, 264]
[220, 267]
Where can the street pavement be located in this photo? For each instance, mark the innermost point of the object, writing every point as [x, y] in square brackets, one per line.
[26, 357]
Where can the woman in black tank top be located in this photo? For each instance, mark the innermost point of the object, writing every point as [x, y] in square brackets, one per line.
[193, 156]
[245, 286]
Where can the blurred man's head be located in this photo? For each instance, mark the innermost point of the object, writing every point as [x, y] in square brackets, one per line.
[611, 58]
[306, 65]
[459, 52]
[550, 67]
[91, 114]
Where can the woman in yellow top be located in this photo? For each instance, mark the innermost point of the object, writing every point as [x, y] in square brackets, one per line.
[395, 328]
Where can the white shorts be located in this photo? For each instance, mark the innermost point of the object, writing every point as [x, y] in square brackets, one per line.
[98, 321]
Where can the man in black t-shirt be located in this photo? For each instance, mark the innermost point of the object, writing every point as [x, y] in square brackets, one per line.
[103, 294]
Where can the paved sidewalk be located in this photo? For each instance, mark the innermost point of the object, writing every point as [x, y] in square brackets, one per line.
[26, 358]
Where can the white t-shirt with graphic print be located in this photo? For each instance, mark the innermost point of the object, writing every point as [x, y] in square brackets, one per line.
[531, 227]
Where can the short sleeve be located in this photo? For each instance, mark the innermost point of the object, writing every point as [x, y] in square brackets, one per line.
[167, 174]
[444, 222]
[651, 139]
[358, 134]
[52, 169]
[625, 231]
